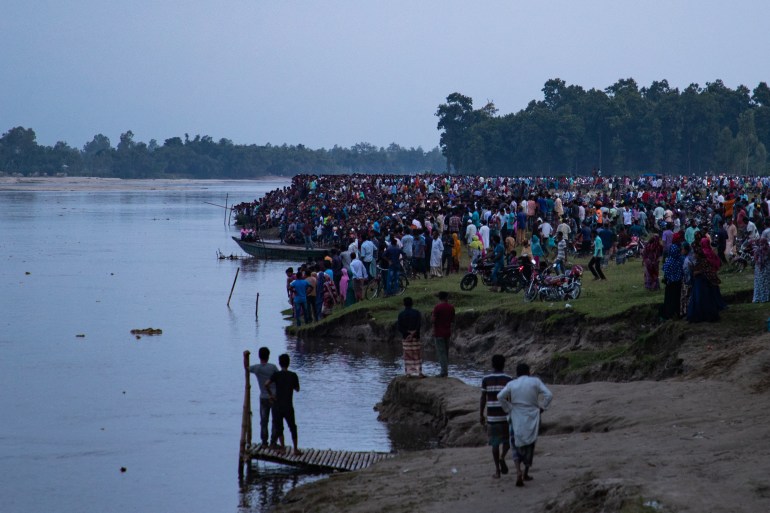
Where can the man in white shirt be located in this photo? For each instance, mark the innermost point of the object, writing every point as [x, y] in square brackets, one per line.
[521, 398]
[484, 234]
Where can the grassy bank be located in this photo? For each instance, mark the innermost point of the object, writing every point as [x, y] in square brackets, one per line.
[622, 294]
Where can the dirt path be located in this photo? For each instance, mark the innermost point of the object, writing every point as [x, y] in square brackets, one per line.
[681, 445]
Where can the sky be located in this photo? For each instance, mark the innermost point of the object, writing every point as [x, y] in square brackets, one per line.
[335, 72]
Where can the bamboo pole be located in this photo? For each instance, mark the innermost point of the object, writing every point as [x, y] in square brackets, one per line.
[226, 198]
[243, 458]
[256, 307]
[233, 287]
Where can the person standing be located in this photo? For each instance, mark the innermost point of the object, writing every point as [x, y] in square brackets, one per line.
[525, 398]
[761, 271]
[286, 383]
[437, 250]
[358, 271]
[443, 315]
[264, 372]
[393, 255]
[496, 420]
[595, 264]
[673, 272]
[651, 260]
[409, 323]
[301, 288]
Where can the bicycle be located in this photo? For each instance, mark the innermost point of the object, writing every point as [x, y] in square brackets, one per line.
[376, 286]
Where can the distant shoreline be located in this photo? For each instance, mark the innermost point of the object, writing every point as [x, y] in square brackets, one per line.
[86, 183]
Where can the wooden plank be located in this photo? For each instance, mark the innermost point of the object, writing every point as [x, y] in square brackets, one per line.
[337, 459]
[309, 456]
[316, 456]
[349, 460]
[344, 460]
[324, 458]
[356, 461]
[329, 457]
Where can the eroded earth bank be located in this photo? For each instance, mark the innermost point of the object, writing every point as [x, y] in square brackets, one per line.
[646, 417]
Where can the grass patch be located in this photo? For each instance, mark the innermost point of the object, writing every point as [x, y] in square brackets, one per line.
[621, 296]
[577, 361]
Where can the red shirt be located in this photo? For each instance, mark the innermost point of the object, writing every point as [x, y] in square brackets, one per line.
[443, 315]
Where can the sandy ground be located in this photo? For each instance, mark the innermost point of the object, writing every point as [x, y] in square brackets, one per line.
[682, 445]
[84, 183]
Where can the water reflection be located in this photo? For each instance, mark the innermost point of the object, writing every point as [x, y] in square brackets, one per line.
[266, 484]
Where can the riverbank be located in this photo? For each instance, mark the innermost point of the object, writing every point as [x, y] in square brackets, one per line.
[611, 333]
[677, 445]
[648, 415]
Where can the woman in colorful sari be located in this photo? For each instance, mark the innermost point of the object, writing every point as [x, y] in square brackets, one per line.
[456, 248]
[706, 299]
[344, 283]
[688, 264]
[330, 297]
[651, 262]
[761, 271]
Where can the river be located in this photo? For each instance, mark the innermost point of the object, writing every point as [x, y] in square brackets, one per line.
[83, 399]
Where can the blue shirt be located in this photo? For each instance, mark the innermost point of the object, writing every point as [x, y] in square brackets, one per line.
[300, 290]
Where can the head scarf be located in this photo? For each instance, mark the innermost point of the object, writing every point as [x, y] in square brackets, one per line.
[674, 264]
[678, 238]
[537, 250]
[705, 245]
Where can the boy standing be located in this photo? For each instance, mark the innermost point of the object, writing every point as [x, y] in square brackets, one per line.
[496, 420]
[286, 383]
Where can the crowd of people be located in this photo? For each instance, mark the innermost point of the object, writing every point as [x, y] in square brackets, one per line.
[685, 229]
[378, 226]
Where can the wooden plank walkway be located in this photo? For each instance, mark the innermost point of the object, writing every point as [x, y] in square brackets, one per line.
[327, 460]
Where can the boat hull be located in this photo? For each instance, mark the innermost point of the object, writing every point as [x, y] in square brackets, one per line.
[278, 251]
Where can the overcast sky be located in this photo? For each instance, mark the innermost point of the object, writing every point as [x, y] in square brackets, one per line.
[329, 72]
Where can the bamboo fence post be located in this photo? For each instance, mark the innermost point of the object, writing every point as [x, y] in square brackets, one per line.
[243, 458]
[233, 287]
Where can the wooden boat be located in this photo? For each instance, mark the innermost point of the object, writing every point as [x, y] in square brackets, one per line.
[277, 250]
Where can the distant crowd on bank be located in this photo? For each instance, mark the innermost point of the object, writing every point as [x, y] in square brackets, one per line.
[420, 225]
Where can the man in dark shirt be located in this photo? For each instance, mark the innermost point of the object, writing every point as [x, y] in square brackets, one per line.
[409, 323]
[393, 256]
[443, 316]
[496, 419]
[286, 383]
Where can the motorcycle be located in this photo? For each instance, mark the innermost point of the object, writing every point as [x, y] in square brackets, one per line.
[479, 267]
[515, 277]
[634, 248]
[549, 287]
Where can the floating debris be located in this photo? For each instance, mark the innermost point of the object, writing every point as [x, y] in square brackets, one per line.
[27, 273]
[222, 256]
[147, 331]
[81, 335]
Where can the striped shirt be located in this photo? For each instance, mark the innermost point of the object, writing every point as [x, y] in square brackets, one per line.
[491, 384]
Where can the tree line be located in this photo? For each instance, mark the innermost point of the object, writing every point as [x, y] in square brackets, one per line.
[202, 157]
[623, 129]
